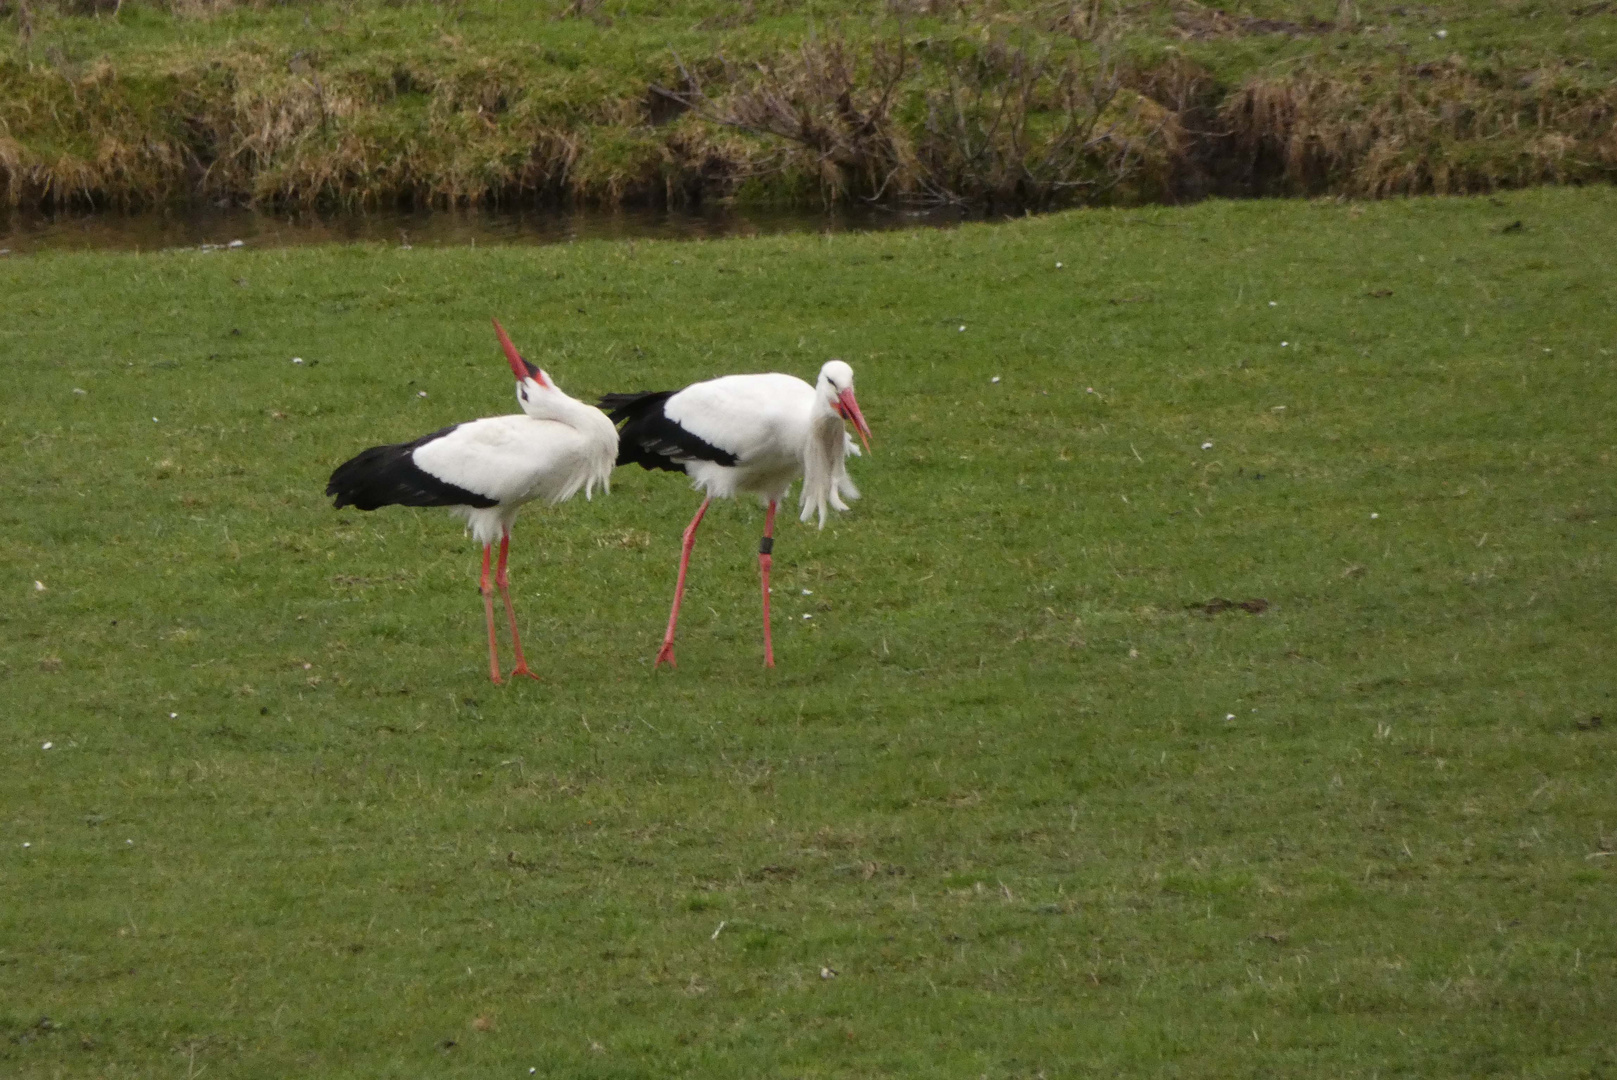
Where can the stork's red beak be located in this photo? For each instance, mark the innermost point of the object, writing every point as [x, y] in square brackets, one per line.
[519, 367]
[849, 408]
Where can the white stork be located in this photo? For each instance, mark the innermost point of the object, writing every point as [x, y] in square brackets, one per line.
[745, 433]
[485, 470]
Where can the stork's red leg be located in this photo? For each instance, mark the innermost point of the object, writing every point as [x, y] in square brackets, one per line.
[766, 547]
[667, 651]
[510, 613]
[488, 610]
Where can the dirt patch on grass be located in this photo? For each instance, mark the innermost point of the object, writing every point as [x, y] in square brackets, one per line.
[1218, 605]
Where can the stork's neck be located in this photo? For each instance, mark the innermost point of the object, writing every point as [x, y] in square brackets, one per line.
[824, 414]
[568, 410]
[600, 435]
[828, 437]
[823, 455]
[550, 403]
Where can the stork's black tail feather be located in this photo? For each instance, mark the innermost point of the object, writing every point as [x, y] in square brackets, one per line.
[389, 476]
[621, 407]
[648, 438]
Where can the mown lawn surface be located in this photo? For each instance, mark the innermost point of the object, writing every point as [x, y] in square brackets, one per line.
[1037, 808]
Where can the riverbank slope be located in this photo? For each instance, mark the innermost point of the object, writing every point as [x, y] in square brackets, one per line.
[606, 102]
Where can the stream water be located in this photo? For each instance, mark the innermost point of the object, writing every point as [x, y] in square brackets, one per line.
[213, 226]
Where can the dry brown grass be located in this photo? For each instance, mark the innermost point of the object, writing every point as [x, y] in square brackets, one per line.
[1008, 123]
[1431, 128]
[1025, 126]
[259, 130]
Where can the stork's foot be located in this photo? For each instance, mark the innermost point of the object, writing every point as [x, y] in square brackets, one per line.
[494, 677]
[665, 655]
[522, 669]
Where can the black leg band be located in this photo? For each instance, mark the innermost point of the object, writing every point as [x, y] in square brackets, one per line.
[766, 546]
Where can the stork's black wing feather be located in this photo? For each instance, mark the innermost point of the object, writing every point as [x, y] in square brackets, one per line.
[648, 438]
[389, 476]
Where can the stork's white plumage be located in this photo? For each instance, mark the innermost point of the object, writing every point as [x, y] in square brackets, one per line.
[487, 470]
[753, 434]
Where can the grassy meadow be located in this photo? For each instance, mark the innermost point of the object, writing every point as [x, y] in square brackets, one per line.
[1023, 797]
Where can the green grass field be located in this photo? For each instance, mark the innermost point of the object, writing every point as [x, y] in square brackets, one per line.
[1040, 810]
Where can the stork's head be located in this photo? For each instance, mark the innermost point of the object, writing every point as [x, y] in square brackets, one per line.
[836, 390]
[532, 383]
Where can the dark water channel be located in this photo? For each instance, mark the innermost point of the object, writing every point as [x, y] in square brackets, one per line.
[200, 227]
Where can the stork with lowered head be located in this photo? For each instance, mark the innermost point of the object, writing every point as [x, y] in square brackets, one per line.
[746, 434]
